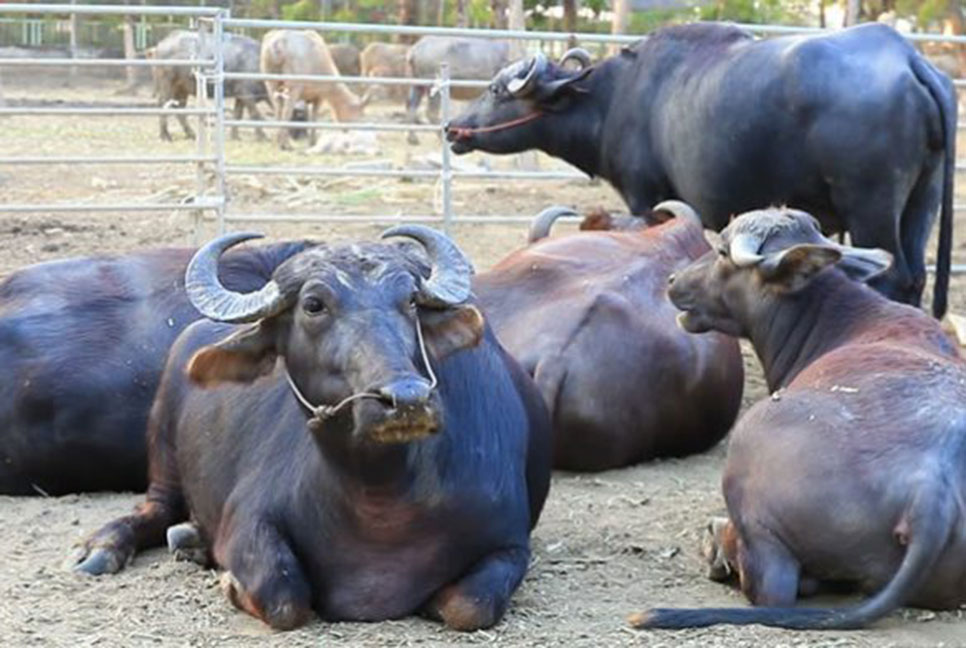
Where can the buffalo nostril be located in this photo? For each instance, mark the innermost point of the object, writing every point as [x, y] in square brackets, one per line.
[405, 393]
[670, 279]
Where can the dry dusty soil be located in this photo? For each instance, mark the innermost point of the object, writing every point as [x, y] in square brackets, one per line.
[607, 545]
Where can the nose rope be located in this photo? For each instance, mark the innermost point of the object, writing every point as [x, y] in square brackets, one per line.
[323, 412]
[465, 133]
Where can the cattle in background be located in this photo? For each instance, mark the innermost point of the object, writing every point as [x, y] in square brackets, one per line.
[855, 469]
[587, 316]
[393, 461]
[854, 126]
[346, 58]
[82, 344]
[286, 51]
[468, 59]
[173, 85]
[385, 60]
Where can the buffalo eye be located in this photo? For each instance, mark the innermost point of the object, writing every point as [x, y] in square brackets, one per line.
[412, 302]
[313, 306]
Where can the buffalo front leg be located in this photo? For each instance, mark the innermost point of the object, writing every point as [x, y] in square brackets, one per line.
[109, 549]
[237, 114]
[255, 115]
[479, 599]
[283, 113]
[183, 120]
[264, 578]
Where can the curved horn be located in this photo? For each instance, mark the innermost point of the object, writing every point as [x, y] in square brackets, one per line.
[578, 54]
[678, 209]
[540, 227]
[743, 250]
[449, 277]
[523, 87]
[216, 302]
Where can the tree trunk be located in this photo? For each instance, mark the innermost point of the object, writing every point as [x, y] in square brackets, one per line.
[517, 22]
[73, 27]
[461, 20]
[821, 13]
[440, 12]
[853, 9]
[570, 15]
[622, 12]
[408, 12]
[499, 8]
[129, 52]
[956, 26]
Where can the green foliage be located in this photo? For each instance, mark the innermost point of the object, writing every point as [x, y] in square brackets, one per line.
[643, 22]
[301, 10]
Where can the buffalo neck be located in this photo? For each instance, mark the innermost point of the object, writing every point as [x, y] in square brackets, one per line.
[790, 331]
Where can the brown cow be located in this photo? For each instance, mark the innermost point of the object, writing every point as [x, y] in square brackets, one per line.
[586, 315]
[286, 51]
[385, 60]
[855, 469]
[346, 58]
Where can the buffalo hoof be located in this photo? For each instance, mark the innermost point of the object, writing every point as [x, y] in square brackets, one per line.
[713, 549]
[186, 543]
[100, 560]
[411, 139]
[283, 615]
[165, 136]
[461, 612]
[260, 136]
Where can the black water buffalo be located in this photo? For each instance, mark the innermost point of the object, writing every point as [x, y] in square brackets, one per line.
[174, 84]
[82, 344]
[854, 126]
[394, 461]
[855, 468]
[587, 316]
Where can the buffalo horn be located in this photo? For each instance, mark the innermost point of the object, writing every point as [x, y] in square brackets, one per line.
[678, 209]
[743, 250]
[522, 87]
[213, 300]
[578, 54]
[450, 271]
[540, 227]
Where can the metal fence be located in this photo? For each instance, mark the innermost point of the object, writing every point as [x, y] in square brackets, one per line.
[213, 198]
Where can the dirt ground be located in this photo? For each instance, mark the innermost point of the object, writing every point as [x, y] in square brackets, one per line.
[607, 545]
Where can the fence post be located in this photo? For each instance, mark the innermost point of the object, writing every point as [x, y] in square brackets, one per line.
[446, 169]
[220, 185]
[201, 134]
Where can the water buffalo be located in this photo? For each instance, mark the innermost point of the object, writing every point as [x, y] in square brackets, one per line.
[385, 60]
[173, 85]
[468, 58]
[394, 461]
[854, 126]
[83, 343]
[287, 51]
[587, 316]
[346, 58]
[855, 469]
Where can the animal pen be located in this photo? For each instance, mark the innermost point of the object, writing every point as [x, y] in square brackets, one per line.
[211, 200]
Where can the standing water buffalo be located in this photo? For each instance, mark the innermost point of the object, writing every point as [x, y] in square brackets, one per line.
[385, 60]
[173, 85]
[393, 462]
[286, 51]
[82, 344]
[587, 316]
[467, 58]
[854, 126]
[346, 58]
[855, 469]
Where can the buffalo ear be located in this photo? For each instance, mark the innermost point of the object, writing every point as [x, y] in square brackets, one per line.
[792, 268]
[863, 264]
[548, 92]
[241, 357]
[452, 329]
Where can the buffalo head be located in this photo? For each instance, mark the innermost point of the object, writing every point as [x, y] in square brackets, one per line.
[349, 323]
[502, 119]
[761, 255]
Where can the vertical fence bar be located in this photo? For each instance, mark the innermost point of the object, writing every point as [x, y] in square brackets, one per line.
[218, 31]
[446, 169]
[201, 134]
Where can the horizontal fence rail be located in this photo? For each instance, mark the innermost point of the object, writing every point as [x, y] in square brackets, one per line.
[158, 159]
[93, 62]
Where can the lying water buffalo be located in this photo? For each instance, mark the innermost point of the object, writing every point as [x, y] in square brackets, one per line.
[854, 126]
[393, 462]
[855, 469]
[467, 58]
[173, 85]
[287, 51]
[83, 343]
[587, 316]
